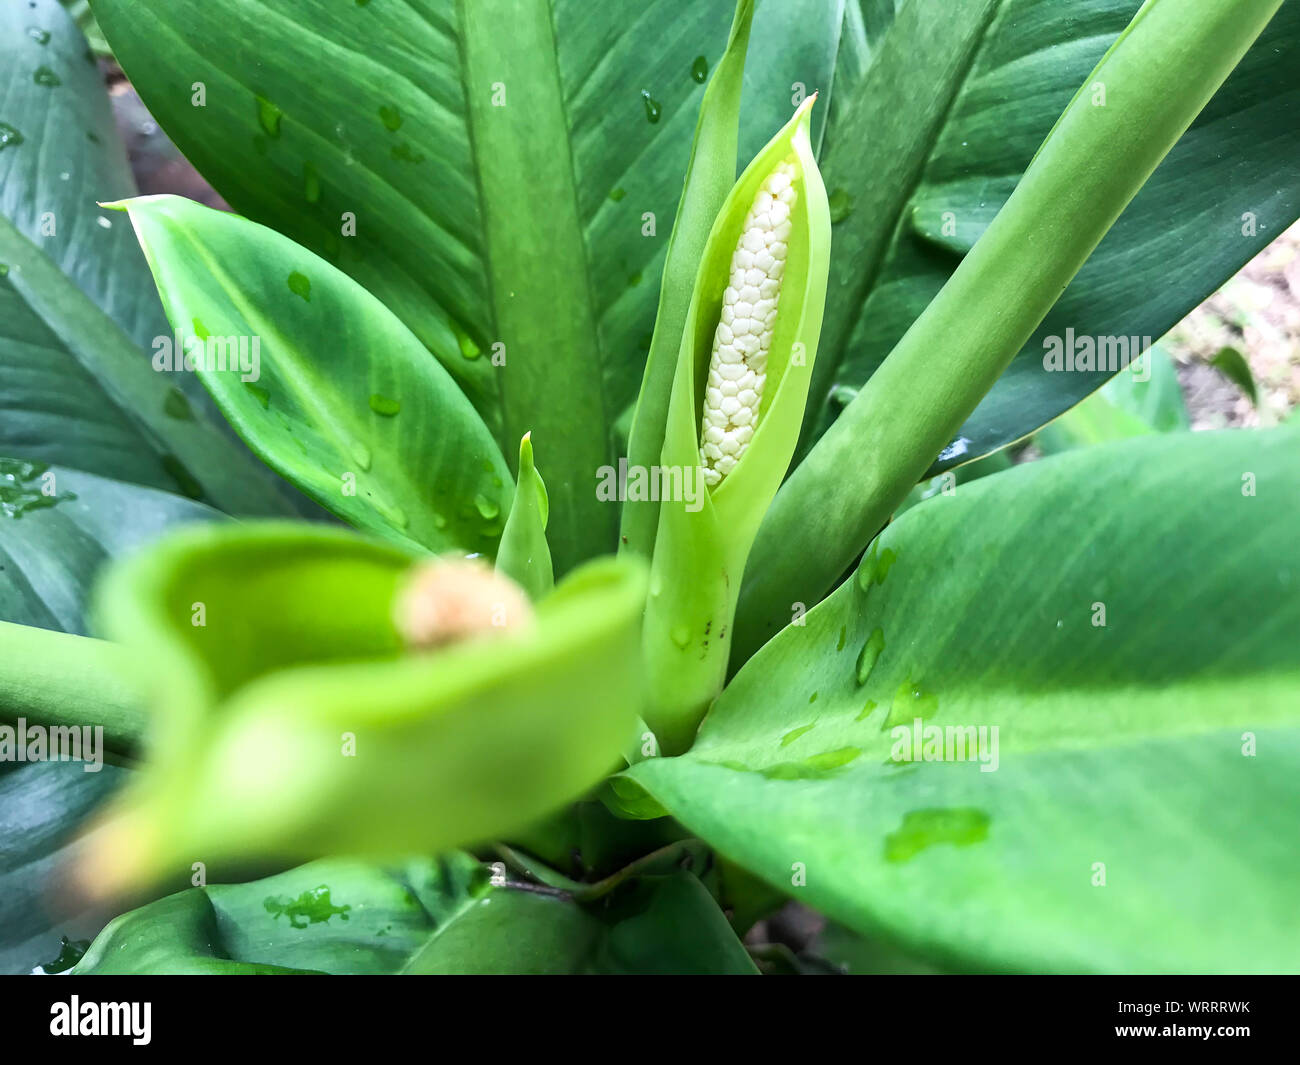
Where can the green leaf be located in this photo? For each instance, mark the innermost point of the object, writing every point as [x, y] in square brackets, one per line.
[1164, 744]
[1159, 75]
[335, 916]
[929, 138]
[76, 306]
[662, 925]
[524, 554]
[291, 725]
[500, 182]
[53, 545]
[329, 388]
[1233, 365]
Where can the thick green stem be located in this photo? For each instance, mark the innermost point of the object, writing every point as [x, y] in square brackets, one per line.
[52, 679]
[1139, 100]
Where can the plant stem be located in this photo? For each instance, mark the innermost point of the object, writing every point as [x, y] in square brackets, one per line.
[56, 679]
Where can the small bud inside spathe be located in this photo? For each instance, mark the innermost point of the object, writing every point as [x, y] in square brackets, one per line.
[452, 599]
[743, 338]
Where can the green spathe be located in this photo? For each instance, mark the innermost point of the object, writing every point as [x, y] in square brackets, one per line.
[700, 554]
[292, 725]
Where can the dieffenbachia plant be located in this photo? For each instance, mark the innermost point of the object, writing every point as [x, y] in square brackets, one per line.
[573, 622]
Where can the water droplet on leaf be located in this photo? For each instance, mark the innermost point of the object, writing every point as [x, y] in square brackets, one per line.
[384, 405]
[869, 653]
[177, 406]
[700, 69]
[300, 285]
[959, 825]
[653, 111]
[268, 116]
[46, 77]
[9, 136]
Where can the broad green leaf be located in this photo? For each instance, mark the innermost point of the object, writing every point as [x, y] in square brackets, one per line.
[1165, 68]
[513, 193]
[334, 916]
[660, 925]
[76, 307]
[929, 137]
[291, 725]
[1163, 744]
[57, 529]
[327, 386]
[63, 153]
[525, 555]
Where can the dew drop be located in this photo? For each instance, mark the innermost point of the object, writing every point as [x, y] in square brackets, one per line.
[700, 69]
[840, 204]
[488, 508]
[617, 194]
[38, 35]
[260, 394]
[910, 702]
[177, 406]
[680, 635]
[361, 455]
[959, 825]
[104, 223]
[869, 653]
[468, 348]
[4, 269]
[795, 733]
[866, 710]
[268, 116]
[405, 153]
[384, 405]
[9, 136]
[439, 521]
[300, 285]
[391, 117]
[653, 110]
[22, 488]
[46, 77]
